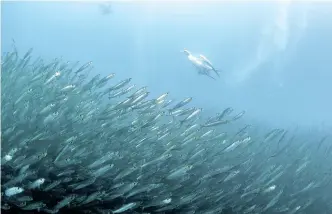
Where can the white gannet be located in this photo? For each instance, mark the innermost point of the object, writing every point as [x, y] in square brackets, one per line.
[202, 64]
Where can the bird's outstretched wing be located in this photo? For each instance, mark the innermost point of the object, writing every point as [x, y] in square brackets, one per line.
[205, 60]
[201, 56]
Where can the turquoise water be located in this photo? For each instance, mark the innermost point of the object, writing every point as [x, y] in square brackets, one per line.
[275, 57]
[67, 147]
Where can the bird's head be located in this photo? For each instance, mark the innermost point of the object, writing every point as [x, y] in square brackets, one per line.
[186, 52]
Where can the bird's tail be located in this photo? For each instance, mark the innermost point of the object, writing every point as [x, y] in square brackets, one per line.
[217, 72]
[211, 76]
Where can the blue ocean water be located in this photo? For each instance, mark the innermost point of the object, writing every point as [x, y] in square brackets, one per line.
[275, 57]
[275, 64]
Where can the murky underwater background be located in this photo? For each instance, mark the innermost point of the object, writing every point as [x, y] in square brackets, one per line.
[102, 113]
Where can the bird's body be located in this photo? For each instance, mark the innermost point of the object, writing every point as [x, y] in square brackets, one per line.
[202, 64]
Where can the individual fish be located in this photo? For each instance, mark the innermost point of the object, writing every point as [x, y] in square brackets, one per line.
[179, 172]
[13, 191]
[126, 207]
[119, 85]
[34, 206]
[181, 104]
[92, 197]
[124, 173]
[25, 198]
[225, 112]
[64, 202]
[216, 123]
[83, 67]
[161, 98]
[139, 98]
[192, 115]
[138, 92]
[53, 77]
[37, 183]
[101, 171]
[52, 185]
[68, 88]
[83, 184]
[273, 201]
[120, 93]
[104, 80]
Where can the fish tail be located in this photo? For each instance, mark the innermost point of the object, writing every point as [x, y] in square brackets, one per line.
[169, 112]
[173, 118]
[182, 122]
